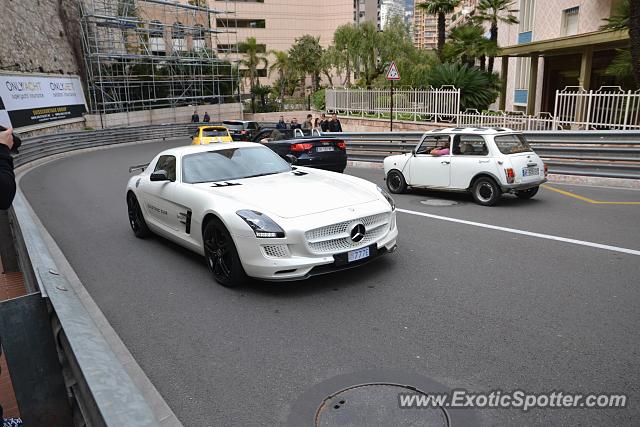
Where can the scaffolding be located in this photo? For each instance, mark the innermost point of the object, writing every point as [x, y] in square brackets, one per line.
[147, 54]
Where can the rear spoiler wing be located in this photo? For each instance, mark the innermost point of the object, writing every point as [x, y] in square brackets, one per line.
[138, 168]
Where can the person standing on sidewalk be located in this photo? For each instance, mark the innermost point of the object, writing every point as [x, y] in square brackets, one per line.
[7, 177]
[334, 124]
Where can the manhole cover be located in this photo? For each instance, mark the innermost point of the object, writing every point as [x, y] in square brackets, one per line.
[375, 405]
[438, 202]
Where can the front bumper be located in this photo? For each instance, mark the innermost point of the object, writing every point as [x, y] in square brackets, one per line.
[522, 186]
[295, 267]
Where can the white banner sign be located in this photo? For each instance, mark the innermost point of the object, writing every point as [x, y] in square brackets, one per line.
[27, 100]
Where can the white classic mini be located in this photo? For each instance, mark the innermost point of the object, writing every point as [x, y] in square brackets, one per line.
[484, 161]
[250, 213]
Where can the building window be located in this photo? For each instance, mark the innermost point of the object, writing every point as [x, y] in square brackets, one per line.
[229, 48]
[240, 23]
[526, 15]
[570, 21]
[523, 71]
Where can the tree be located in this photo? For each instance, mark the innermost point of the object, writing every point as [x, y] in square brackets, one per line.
[440, 8]
[478, 89]
[345, 40]
[252, 60]
[493, 12]
[467, 43]
[281, 65]
[305, 57]
[627, 16]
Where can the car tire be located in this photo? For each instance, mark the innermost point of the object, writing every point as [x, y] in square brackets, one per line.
[486, 192]
[396, 182]
[221, 255]
[136, 218]
[528, 193]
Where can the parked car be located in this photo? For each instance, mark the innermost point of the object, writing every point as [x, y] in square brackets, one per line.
[253, 215]
[311, 150]
[486, 162]
[242, 130]
[209, 134]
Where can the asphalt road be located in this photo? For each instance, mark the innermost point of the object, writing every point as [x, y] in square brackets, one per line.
[467, 306]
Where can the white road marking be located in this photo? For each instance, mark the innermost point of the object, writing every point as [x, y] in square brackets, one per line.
[525, 233]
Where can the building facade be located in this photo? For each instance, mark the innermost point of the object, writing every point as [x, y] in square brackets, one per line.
[425, 26]
[556, 44]
[390, 9]
[367, 11]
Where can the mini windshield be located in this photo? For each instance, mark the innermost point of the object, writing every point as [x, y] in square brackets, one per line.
[207, 133]
[231, 163]
[512, 144]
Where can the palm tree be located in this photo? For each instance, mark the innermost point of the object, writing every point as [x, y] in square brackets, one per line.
[493, 12]
[252, 60]
[467, 43]
[477, 88]
[281, 65]
[627, 16]
[440, 8]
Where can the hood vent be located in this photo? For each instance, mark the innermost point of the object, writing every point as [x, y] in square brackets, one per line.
[300, 173]
[225, 184]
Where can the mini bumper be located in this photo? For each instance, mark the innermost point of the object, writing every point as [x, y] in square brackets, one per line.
[260, 266]
[522, 186]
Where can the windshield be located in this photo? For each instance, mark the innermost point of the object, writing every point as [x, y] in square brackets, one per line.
[512, 144]
[232, 163]
[214, 132]
[234, 125]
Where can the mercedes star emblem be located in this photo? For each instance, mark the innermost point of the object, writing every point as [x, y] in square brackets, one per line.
[357, 232]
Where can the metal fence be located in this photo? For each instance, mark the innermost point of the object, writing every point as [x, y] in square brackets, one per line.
[429, 105]
[608, 108]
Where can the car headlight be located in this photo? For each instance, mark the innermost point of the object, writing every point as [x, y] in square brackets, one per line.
[388, 197]
[261, 224]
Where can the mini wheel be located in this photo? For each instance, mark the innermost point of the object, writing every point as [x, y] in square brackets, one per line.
[528, 193]
[395, 182]
[486, 192]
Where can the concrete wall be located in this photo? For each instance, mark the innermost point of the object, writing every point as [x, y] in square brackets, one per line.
[162, 115]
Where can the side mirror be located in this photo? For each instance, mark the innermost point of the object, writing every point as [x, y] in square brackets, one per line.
[159, 175]
[291, 159]
[413, 151]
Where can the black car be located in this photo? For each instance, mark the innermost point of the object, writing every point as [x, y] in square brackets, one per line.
[242, 130]
[315, 151]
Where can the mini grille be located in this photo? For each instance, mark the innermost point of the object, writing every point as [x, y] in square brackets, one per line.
[335, 238]
[276, 251]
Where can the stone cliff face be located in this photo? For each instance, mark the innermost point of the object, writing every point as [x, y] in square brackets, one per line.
[41, 36]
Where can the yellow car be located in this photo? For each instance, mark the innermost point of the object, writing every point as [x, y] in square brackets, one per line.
[211, 134]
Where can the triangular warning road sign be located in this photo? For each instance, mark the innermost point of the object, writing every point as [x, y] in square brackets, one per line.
[393, 73]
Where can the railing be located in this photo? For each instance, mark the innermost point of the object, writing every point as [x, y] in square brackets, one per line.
[610, 154]
[430, 105]
[608, 108]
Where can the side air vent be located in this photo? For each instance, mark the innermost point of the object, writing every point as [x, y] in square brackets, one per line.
[300, 173]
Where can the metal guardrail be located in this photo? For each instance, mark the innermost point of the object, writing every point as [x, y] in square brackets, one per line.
[610, 154]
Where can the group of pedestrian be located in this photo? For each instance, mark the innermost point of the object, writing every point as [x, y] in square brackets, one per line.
[195, 117]
[321, 123]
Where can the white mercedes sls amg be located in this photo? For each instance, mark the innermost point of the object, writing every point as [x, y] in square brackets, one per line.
[252, 214]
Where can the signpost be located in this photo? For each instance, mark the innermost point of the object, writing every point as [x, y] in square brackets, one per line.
[392, 75]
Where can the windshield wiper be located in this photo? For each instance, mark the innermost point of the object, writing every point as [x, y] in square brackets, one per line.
[262, 174]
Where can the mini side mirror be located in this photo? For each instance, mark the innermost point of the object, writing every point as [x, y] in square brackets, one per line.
[291, 159]
[413, 151]
[159, 175]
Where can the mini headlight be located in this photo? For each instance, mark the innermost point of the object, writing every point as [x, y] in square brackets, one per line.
[388, 197]
[261, 224]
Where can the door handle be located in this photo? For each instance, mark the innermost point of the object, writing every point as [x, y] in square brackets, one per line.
[445, 162]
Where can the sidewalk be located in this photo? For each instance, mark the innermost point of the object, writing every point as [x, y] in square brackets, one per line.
[11, 286]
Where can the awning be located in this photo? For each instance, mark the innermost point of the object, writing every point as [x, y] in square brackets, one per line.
[599, 40]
